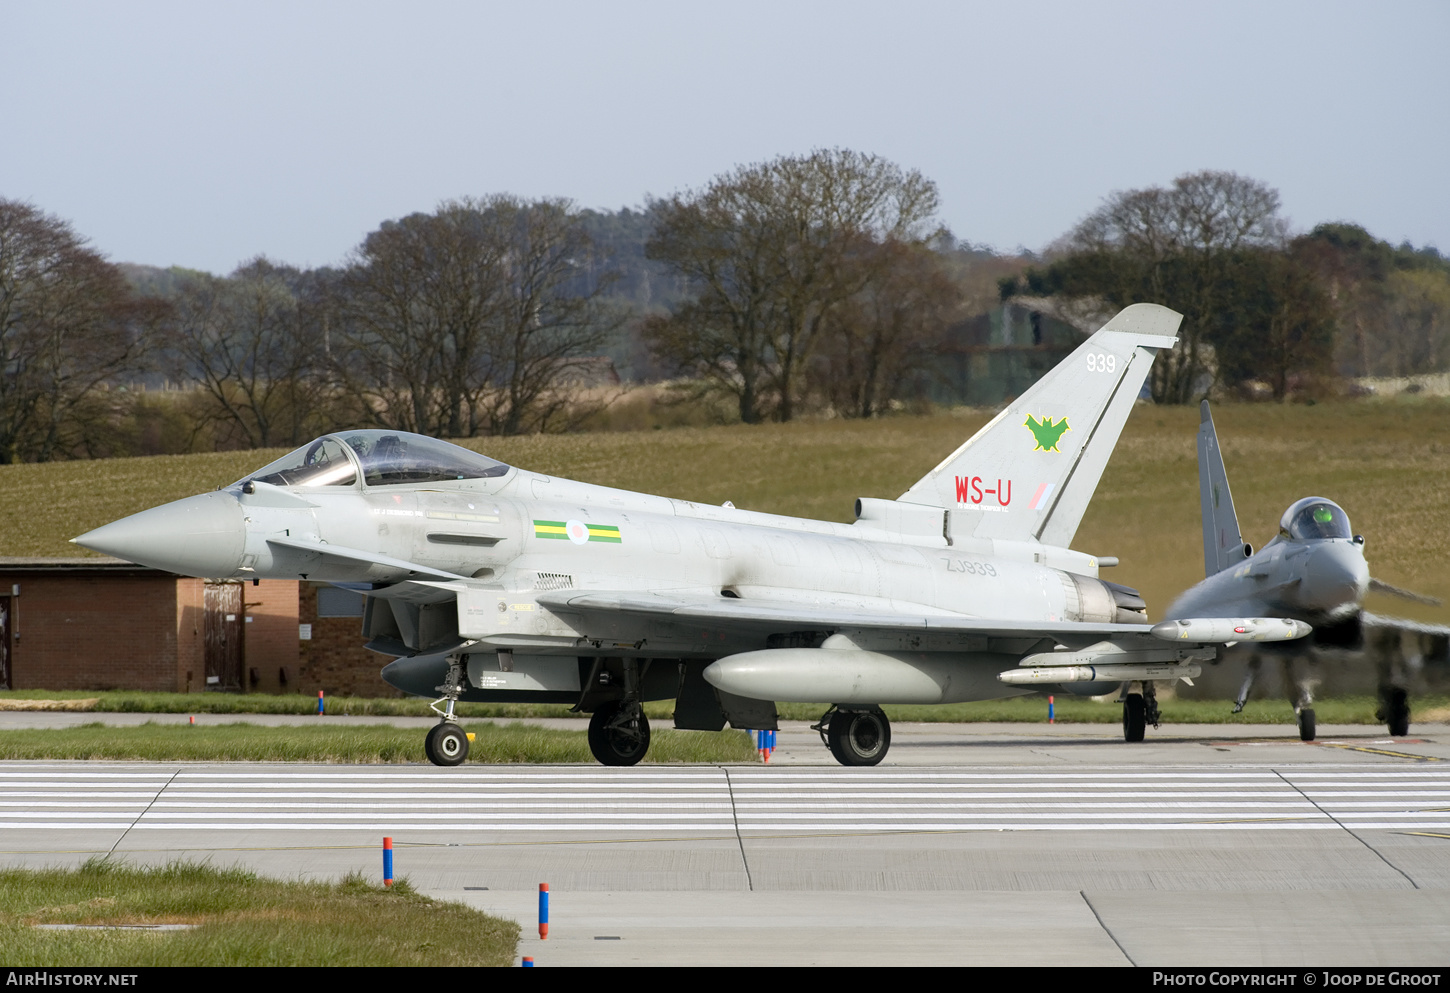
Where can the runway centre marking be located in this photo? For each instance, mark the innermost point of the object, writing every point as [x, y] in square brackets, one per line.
[1380, 751]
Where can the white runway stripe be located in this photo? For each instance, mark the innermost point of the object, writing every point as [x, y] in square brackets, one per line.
[716, 802]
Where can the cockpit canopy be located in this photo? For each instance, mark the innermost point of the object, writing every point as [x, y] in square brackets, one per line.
[1312, 518]
[384, 458]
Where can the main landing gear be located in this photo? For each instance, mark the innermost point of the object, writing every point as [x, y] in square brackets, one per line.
[618, 729]
[1140, 708]
[855, 737]
[619, 733]
[447, 743]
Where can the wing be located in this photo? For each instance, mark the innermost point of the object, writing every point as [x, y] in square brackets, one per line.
[1376, 622]
[1394, 640]
[773, 617]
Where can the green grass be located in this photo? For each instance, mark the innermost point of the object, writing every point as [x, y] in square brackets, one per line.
[1030, 709]
[241, 920]
[370, 744]
[1176, 710]
[138, 702]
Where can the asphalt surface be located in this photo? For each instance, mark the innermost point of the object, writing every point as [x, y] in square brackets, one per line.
[971, 845]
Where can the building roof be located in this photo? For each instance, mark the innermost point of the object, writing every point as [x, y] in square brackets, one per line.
[78, 563]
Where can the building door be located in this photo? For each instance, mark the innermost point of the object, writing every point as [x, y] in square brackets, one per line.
[222, 635]
[5, 641]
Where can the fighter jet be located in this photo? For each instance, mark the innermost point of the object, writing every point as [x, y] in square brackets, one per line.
[1313, 571]
[488, 582]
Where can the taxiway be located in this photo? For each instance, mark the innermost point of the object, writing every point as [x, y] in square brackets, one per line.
[974, 844]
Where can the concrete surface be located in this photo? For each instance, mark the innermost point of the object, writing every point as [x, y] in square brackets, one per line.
[972, 845]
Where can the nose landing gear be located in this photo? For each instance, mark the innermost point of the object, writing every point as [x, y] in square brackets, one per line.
[1395, 710]
[447, 743]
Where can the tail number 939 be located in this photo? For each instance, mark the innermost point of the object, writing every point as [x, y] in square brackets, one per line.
[1102, 362]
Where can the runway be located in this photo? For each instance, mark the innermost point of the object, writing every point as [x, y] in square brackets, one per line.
[1056, 849]
[721, 801]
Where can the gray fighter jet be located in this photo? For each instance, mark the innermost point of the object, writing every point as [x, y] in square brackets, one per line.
[489, 582]
[1314, 571]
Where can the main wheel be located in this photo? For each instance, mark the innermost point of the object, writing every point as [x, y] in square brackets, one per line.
[1397, 712]
[446, 744]
[616, 738]
[1135, 717]
[1306, 724]
[859, 737]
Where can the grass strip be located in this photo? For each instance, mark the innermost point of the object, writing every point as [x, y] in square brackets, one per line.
[240, 918]
[1176, 710]
[1029, 709]
[137, 702]
[370, 744]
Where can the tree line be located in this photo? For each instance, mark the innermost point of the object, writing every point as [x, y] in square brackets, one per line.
[1259, 305]
[822, 281]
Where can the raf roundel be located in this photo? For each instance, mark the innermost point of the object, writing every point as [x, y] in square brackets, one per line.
[577, 531]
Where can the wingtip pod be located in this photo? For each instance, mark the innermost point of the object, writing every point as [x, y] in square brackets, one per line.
[1225, 630]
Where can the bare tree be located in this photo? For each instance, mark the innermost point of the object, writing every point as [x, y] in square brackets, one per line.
[550, 315]
[1173, 246]
[883, 335]
[769, 251]
[252, 344]
[69, 325]
[473, 317]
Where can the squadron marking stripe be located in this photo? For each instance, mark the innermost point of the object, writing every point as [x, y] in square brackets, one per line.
[560, 530]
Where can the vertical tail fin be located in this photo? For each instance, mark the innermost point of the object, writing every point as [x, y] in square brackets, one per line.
[1223, 545]
[1030, 473]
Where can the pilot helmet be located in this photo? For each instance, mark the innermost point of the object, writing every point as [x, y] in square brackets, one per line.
[1313, 518]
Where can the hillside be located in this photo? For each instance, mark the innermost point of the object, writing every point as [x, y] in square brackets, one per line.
[1387, 462]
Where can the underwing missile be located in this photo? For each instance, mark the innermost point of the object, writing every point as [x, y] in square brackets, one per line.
[1095, 673]
[1224, 630]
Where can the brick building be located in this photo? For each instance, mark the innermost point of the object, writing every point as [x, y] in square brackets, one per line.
[332, 656]
[101, 624]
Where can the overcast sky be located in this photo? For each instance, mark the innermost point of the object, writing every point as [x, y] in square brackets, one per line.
[202, 134]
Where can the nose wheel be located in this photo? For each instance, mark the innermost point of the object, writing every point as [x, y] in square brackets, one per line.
[1306, 724]
[1395, 710]
[446, 744]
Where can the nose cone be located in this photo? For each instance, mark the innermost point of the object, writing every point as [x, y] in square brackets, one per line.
[1335, 578]
[199, 536]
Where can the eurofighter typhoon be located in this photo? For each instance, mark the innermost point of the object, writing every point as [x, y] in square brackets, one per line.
[488, 582]
[1312, 570]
